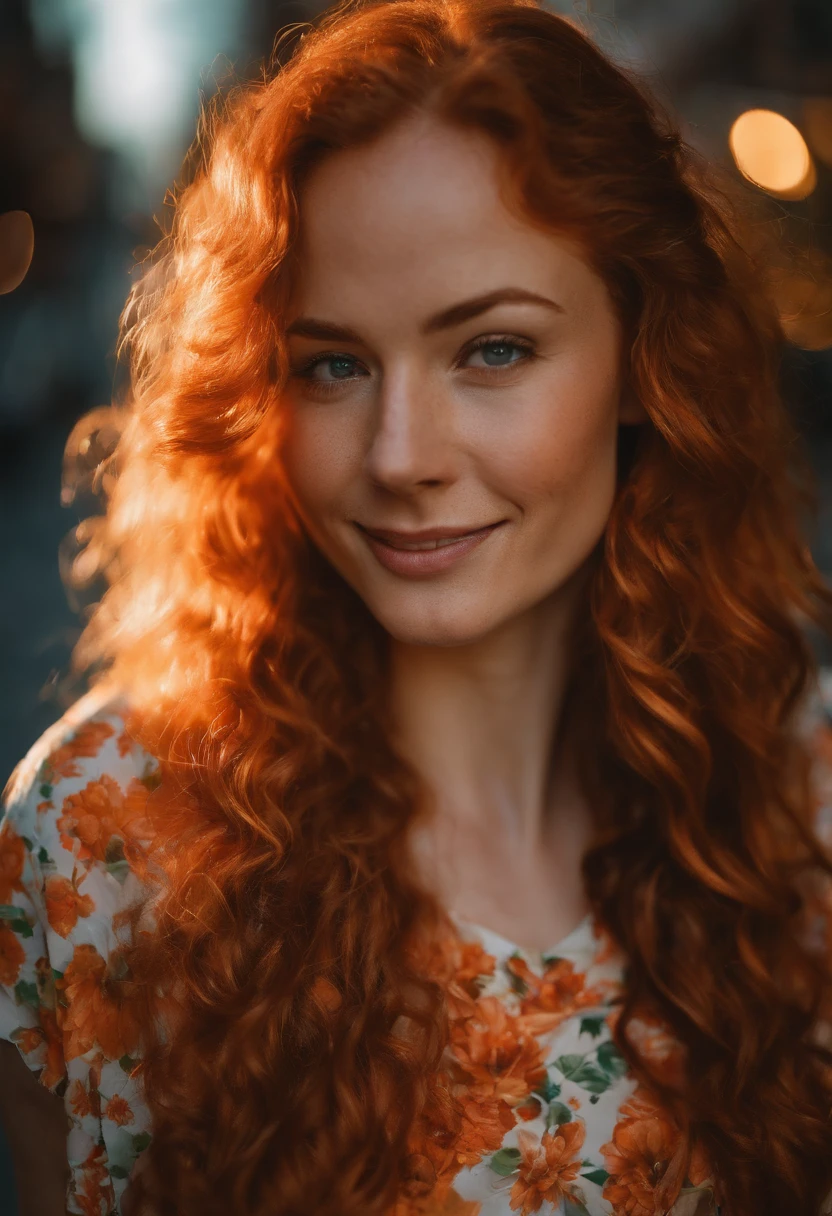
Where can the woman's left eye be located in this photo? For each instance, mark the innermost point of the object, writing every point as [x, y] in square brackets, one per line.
[498, 349]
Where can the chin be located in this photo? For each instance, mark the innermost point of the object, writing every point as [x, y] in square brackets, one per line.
[435, 629]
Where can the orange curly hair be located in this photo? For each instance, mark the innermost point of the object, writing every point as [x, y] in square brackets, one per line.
[274, 982]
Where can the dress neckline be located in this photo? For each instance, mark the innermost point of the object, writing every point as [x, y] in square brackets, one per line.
[578, 937]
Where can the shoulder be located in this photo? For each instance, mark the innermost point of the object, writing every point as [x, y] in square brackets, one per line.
[89, 738]
[81, 782]
[73, 813]
[72, 810]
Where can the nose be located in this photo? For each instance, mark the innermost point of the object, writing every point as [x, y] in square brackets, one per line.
[412, 442]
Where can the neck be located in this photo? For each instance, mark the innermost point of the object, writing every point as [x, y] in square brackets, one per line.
[479, 722]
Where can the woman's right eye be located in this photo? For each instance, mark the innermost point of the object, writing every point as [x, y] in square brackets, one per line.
[339, 365]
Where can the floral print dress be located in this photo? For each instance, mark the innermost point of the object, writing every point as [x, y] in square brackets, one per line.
[552, 1121]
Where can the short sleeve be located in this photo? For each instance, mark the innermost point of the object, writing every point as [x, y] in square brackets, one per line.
[28, 1015]
[69, 810]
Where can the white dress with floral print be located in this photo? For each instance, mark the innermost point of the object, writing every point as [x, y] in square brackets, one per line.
[555, 1124]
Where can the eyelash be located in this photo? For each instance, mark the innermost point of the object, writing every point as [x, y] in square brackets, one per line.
[328, 386]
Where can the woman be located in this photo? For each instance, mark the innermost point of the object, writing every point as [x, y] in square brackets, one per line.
[444, 837]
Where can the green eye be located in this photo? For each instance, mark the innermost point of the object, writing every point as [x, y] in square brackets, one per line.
[499, 347]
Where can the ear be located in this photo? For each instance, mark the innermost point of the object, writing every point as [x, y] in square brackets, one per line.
[631, 412]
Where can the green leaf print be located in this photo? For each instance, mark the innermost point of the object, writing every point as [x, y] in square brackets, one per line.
[10, 912]
[118, 1171]
[151, 779]
[118, 967]
[26, 994]
[573, 1206]
[114, 859]
[22, 928]
[548, 1090]
[592, 1025]
[590, 1077]
[584, 1073]
[127, 1064]
[518, 985]
[141, 1141]
[506, 1161]
[597, 1175]
[27, 842]
[44, 858]
[46, 790]
[569, 1064]
[611, 1059]
[549, 959]
[558, 1113]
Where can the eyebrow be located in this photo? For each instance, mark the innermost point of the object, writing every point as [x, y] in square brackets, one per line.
[313, 327]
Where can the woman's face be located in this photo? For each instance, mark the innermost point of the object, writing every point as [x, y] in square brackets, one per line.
[454, 369]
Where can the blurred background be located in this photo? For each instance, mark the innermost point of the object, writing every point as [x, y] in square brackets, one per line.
[98, 104]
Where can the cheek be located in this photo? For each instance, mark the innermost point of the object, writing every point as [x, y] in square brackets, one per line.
[561, 457]
[318, 458]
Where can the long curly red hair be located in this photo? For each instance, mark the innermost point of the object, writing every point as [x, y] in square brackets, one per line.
[276, 974]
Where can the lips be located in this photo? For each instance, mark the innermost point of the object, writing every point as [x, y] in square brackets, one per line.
[425, 538]
[427, 552]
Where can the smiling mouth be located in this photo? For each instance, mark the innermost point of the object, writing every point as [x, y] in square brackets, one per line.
[440, 538]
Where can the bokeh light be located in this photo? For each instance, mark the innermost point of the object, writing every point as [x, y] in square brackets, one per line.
[770, 151]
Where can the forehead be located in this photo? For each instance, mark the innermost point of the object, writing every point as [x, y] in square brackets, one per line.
[417, 217]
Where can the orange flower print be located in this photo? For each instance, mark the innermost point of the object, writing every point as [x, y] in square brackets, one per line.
[28, 1038]
[118, 1111]
[96, 1182]
[497, 1053]
[100, 811]
[12, 856]
[87, 742]
[485, 1121]
[55, 1069]
[472, 963]
[529, 1109]
[89, 1014]
[642, 1158]
[81, 1101]
[548, 1166]
[455, 964]
[12, 956]
[64, 904]
[553, 997]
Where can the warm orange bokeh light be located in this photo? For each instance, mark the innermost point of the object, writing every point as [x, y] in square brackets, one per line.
[770, 151]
